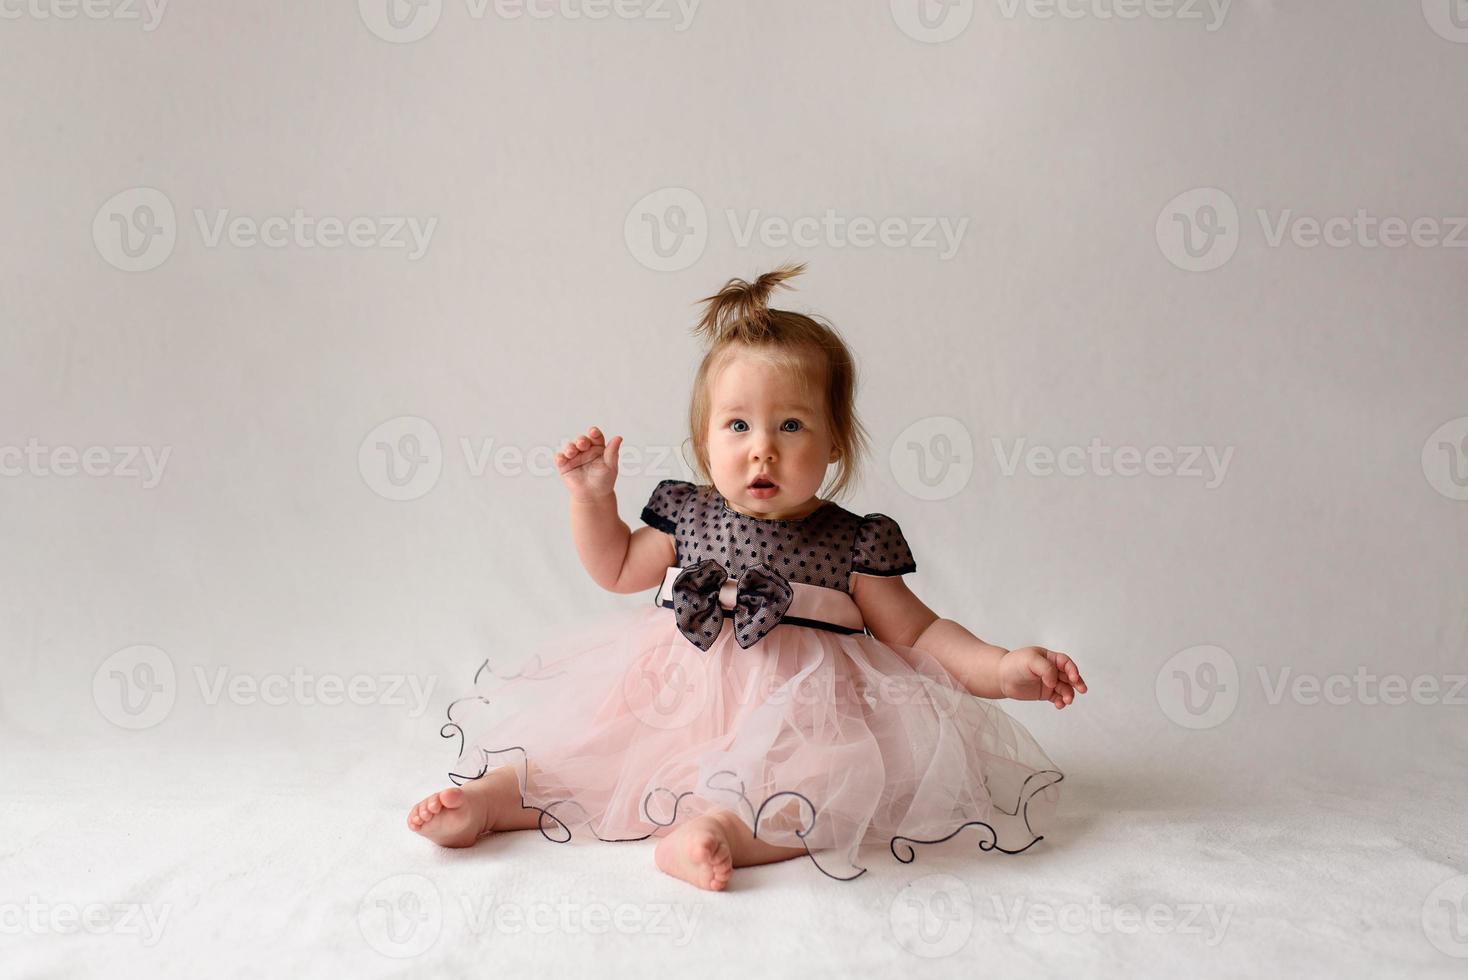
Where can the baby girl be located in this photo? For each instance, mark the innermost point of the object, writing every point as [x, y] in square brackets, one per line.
[785, 694]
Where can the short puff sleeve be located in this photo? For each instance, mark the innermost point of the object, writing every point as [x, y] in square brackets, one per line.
[880, 548]
[666, 503]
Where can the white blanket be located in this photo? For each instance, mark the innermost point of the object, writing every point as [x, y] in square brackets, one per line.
[173, 861]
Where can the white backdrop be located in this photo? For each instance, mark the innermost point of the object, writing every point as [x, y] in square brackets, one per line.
[1040, 234]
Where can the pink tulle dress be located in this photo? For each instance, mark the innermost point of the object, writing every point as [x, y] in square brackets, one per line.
[750, 684]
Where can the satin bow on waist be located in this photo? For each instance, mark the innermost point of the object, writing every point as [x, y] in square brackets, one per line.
[761, 597]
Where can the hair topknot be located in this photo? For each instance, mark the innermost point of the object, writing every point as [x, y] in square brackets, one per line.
[738, 322]
[741, 310]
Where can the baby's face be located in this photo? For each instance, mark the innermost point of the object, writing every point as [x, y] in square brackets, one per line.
[761, 425]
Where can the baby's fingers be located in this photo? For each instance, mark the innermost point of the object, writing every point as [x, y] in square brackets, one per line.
[1068, 670]
[592, 438]
[1047, 672]
[580, 444]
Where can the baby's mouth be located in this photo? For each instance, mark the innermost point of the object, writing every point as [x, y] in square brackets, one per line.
[762, 485]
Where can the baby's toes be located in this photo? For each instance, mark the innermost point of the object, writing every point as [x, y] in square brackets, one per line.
[713, 853]
[721, 866]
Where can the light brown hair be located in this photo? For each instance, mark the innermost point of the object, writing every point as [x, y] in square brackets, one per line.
[737, 320]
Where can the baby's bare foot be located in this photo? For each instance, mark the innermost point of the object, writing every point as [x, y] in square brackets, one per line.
[699, 852]
[451, 817]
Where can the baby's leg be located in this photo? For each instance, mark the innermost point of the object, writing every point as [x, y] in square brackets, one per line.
[459, 816]
[705, 849]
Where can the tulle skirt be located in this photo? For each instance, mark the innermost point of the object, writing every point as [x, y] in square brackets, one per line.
[621, 729]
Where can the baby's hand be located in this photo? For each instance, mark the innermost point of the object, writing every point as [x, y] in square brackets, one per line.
[1037, 674]
[588, 465]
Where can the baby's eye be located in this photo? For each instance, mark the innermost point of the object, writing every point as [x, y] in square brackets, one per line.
[789, 421]
[738, 422]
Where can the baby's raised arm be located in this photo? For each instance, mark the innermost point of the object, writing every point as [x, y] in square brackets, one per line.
[616, 557]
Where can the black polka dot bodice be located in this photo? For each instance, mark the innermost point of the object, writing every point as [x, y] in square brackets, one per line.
[821, 549]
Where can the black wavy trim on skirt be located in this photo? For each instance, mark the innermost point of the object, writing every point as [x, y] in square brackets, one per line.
[1021, 806]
